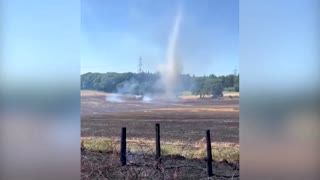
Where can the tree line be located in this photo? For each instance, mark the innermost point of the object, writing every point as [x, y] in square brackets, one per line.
[149, 83]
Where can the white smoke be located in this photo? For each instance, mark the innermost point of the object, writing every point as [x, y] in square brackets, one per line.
[171, 70]
[146, 99]
[114, 98]
[128, 87]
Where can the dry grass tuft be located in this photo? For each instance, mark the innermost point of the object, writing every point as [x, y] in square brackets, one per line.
[220, 151]
[100, 160]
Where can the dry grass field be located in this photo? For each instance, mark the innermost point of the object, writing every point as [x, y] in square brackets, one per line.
[183, 124]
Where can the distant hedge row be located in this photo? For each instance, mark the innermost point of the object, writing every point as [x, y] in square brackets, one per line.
[149, 83]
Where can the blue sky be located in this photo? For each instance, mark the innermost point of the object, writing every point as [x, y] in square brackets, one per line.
[279, 43]
[40, 40]
[115, 33]
[43, 37]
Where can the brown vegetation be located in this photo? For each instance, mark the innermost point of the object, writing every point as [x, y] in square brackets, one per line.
[183, 124]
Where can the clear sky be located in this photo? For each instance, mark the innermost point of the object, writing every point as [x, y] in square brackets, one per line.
[279, 43]
[115, 33]
[39, 39]
[45, 37]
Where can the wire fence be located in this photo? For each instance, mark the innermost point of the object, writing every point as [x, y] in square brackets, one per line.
[144, 163]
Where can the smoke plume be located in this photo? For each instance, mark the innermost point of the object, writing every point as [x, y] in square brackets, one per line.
[114, 98]
[146, 99]
[171, 70]
[128, 87]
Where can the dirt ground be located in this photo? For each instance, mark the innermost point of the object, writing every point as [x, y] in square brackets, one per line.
[106, 165]
[181, 120]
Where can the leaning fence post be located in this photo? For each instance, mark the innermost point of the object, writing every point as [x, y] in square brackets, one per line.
[123, 148]
[158, 142]
[209, 154]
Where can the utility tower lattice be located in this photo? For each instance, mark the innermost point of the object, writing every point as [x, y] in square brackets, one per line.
[140, 65]
[235, 71]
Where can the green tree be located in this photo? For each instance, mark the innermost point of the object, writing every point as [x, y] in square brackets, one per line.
[198, 86]
[236, 83]
[207, 87]
[145, 83]
[217, 88]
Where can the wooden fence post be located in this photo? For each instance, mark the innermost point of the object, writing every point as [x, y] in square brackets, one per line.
[123, 147]
[158, 153]
[209, 154]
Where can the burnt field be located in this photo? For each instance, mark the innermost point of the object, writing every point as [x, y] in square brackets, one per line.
[182, 127]
[183, 120]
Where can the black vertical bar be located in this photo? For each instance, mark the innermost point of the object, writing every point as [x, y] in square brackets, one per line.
[209, 154]
[123, 157]
[158, 142]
